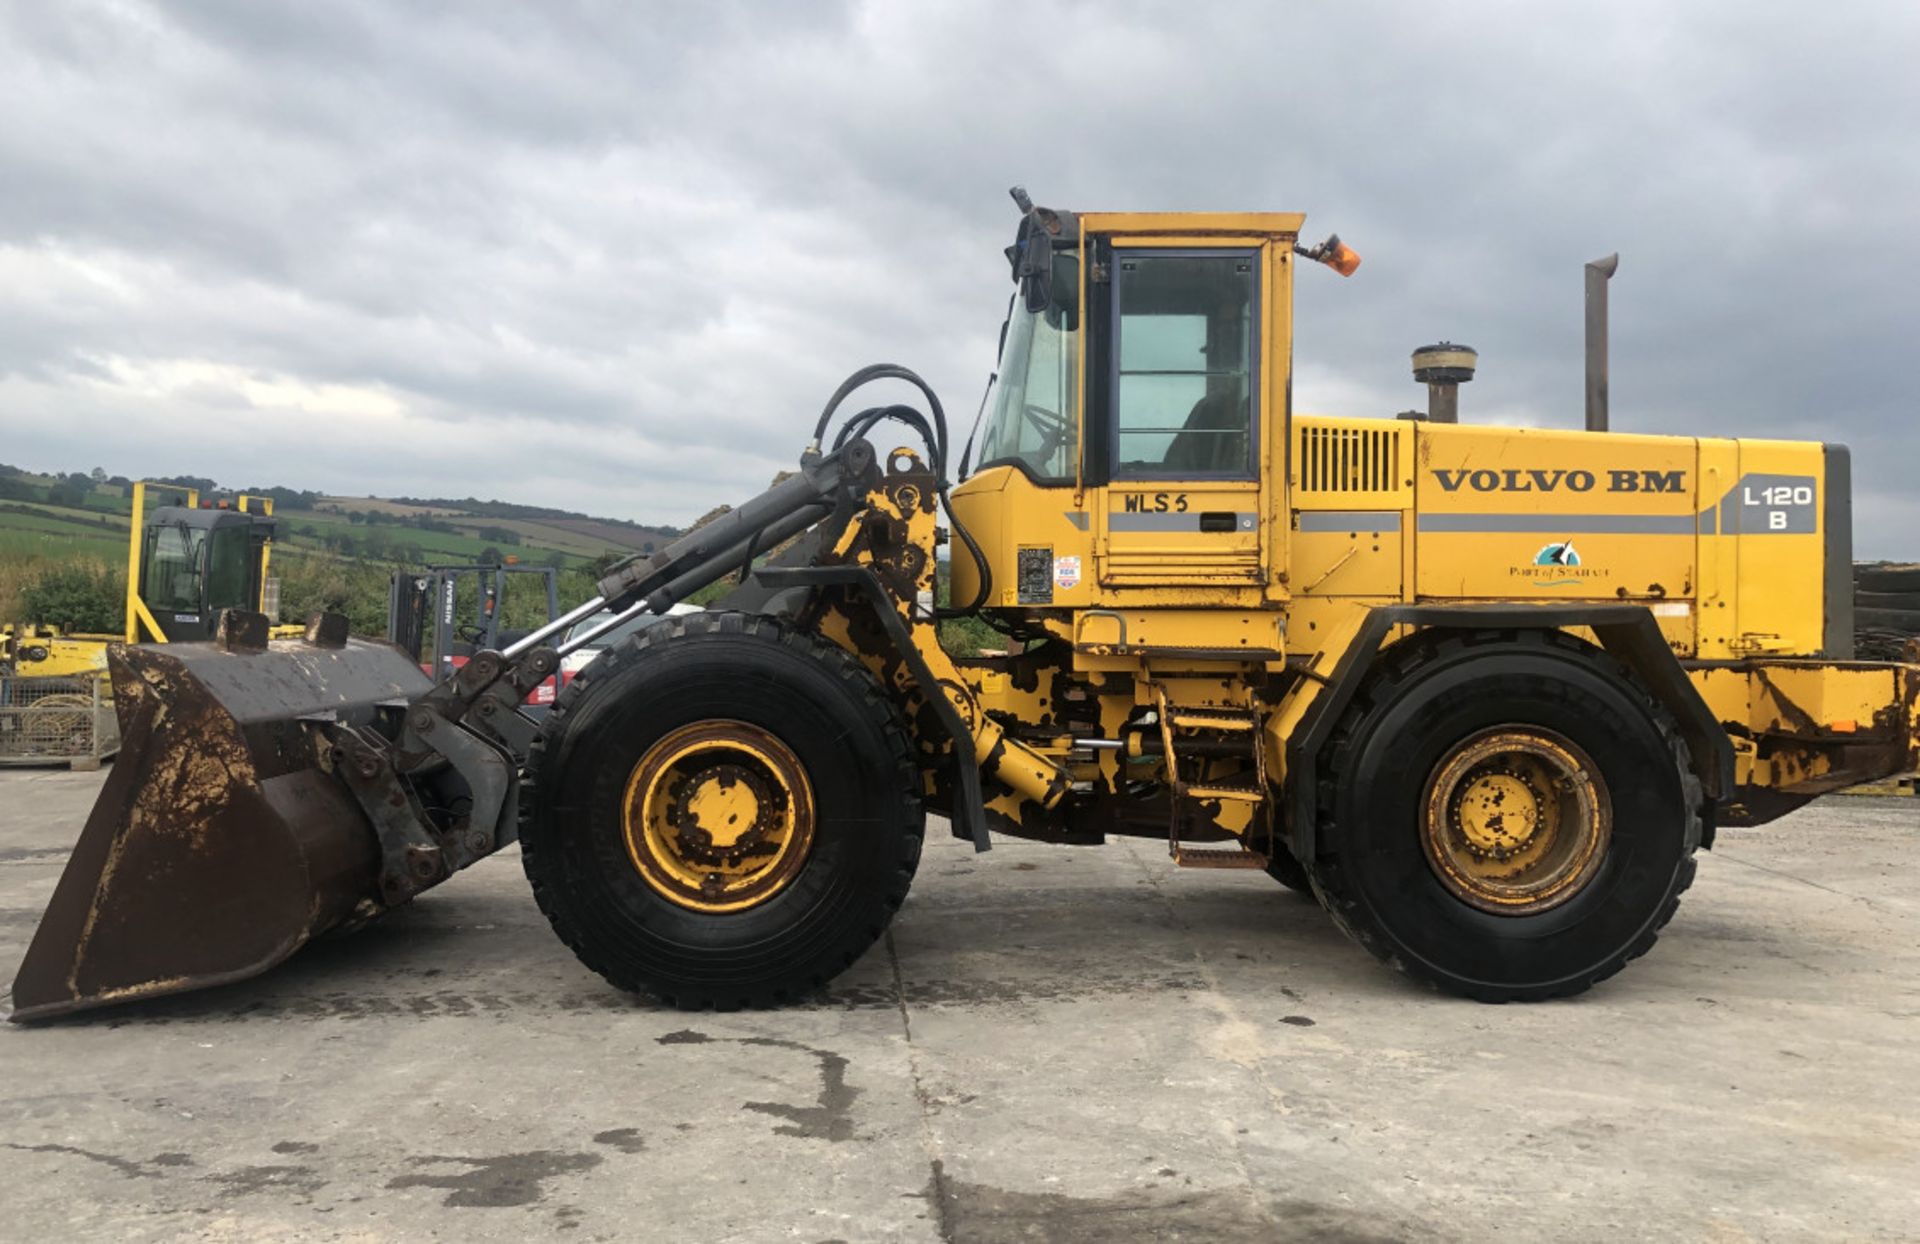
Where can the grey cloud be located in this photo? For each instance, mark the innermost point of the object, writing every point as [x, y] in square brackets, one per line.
[650, 238]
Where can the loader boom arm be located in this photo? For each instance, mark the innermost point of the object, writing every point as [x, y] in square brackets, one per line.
[324, 778]
[471, 723]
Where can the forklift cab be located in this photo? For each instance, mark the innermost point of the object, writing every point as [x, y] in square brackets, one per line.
[195, 562]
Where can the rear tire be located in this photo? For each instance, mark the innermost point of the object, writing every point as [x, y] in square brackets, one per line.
[1392, 877]
[810, 703]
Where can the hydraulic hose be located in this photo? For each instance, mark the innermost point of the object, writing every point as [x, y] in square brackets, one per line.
[934, 434]
[979, 559]
[889, 371]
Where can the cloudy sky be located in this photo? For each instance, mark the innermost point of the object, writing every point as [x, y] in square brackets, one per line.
[613, 256]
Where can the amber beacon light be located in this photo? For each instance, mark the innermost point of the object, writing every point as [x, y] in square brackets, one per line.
[1334, 253]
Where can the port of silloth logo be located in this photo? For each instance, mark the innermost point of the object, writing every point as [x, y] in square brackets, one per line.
[1557, 565]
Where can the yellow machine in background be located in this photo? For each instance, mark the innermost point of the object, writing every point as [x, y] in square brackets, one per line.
[186, 563]
[49, 652]
[1482, 692]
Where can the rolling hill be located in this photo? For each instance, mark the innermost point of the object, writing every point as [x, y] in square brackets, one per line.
[57, 516]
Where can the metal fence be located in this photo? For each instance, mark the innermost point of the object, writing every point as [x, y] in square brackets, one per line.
[66, 721]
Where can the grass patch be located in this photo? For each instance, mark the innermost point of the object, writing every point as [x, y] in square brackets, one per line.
[33, 536]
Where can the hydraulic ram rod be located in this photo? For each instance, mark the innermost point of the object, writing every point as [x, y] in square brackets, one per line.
[705, 571]
[817, 484]
[654, 583]
[559, 624]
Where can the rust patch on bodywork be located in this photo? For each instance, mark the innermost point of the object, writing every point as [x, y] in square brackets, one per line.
[1814, 727]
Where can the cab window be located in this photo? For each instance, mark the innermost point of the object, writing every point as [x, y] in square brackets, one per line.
[1031, 418]
[227, 567]
[1184, 364]
[172, 568]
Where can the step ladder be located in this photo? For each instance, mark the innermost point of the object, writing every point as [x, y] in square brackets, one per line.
[1218, 732]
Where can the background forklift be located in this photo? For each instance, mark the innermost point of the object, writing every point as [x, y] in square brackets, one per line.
[424, 608]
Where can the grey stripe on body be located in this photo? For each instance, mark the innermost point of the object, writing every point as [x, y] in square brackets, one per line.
[1349, 520]
[1568, 524]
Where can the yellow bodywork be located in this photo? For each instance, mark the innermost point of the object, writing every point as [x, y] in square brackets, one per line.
[1723, 542]
[49, 652]
[1472, 513]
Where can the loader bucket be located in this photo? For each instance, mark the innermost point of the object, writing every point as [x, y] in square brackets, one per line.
[220, 843]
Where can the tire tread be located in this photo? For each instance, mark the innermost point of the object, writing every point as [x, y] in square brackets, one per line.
[536, 846]
[1334, 889]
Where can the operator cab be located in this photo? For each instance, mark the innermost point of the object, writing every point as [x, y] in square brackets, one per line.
[1135, 433]
[197, 562]
[1181, 379]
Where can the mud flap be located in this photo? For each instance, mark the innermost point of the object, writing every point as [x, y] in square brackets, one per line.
[221, 842]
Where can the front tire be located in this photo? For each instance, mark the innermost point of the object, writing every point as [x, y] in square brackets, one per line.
[1508, 817]
[721, 812]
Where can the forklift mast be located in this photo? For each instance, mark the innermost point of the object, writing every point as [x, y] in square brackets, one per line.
[423, 611]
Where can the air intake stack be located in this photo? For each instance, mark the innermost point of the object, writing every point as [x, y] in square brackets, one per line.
[1443, 368]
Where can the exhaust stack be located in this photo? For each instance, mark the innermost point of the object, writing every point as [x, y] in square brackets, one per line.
[1443, 368]
[1599, 272]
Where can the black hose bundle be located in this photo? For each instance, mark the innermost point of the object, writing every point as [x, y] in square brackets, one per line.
[932, 433]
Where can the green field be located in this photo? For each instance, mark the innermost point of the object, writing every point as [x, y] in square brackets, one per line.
[546, 535]
[330, 551]
[61, 532]
[48, 521]
[583, 537]
[47, 534]
[401, 544]
[324, 558]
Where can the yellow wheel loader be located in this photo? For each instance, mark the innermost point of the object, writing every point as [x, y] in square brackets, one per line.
[1481, 691]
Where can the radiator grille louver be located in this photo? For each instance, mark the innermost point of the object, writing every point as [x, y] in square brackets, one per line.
[1348, 459]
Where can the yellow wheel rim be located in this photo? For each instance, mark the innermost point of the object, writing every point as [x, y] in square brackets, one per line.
[1516, 820]
[718, 816]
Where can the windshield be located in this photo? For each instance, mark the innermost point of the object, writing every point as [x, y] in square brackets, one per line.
[172, 568]
[1031, 419]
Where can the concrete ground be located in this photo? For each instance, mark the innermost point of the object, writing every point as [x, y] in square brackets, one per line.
[1053, 1044]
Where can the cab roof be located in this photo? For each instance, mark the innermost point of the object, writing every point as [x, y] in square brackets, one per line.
[196, 518]
[1285, 224]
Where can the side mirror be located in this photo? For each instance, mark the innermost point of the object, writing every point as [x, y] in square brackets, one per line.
[1036, 271]
[1063, 303]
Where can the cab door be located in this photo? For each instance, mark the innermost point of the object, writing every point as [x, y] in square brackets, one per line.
[1182, 429]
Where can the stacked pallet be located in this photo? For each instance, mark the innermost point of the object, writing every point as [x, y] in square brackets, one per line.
[1886, 609]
